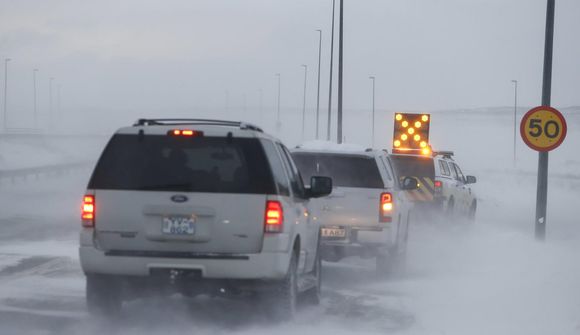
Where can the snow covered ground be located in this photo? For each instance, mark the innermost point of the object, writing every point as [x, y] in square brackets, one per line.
[489, 277]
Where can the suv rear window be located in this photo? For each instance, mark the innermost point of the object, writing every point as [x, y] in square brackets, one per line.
[345, 170]
[182, 164]
[413, 166]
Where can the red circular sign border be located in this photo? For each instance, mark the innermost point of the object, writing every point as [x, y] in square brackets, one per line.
[553, 146]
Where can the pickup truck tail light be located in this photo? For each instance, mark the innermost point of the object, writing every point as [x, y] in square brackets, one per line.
[88, 211]
[386, 207]
[273, 217]
[438, 186]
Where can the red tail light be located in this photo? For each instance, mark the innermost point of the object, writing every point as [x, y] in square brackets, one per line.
[274, 217]
[438, 184]
[185, 132]
[386, 207]
[88, 211]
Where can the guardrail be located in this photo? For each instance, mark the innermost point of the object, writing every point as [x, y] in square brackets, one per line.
[37, 172]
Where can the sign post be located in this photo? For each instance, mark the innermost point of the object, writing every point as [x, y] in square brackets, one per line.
[543, 129]
[542, 191]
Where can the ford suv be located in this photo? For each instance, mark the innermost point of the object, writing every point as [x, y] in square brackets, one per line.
[199, 207]
[367, 213]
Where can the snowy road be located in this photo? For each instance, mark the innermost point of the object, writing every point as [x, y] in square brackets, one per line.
[489, 277]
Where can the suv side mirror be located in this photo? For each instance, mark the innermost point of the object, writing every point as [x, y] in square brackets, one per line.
[319, 187]
[409, 184]
[470, 180]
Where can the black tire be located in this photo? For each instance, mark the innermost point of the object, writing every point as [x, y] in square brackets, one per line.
[285, 295]
[383, 265]
[472, 212]
[103, 295]
[312, 295]
[450, 208]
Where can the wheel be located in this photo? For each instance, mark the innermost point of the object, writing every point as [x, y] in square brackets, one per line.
[383, 265]
[286, 293]
[472, 211]
[450, 208]
[103, 295]
[312, 295]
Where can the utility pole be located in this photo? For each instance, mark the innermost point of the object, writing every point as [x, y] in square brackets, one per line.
[318, 89]
[304, 100]
[6, 60]
[340, 63]
[278, 123]
[34, 71]
[542, 191]
[515, 116]
[373, 117]
[331, 70]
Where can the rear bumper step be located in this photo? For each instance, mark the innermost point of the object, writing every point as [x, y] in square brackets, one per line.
[172, 254]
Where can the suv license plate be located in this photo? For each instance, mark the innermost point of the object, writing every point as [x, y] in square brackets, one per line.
[333, 232]
[178, 226]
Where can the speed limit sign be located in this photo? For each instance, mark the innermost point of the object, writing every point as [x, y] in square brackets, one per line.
[543, 128]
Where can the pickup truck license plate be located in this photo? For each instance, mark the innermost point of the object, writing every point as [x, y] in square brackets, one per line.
[178, 225]
[333, 232]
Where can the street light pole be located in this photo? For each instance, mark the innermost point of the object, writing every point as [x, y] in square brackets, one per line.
[6, 60]
[340, 63]
[331, 68]
[50, 100]
[304, 100]
[278, 124]
[373, 118]
[318, 89]
[261, 93]
[34, 71]
[515, 115]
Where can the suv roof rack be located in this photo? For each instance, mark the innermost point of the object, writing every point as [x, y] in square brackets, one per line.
[445, 154]
[165, 122]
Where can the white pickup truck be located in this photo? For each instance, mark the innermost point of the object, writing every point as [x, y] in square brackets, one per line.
[367, 213]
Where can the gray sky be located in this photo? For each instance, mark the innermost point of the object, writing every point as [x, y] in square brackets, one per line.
[172, 55]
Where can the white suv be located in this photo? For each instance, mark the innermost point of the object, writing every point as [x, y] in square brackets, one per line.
[367, 213]
[199, 206]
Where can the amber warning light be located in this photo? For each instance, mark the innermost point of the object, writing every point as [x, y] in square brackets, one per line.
[411, 133]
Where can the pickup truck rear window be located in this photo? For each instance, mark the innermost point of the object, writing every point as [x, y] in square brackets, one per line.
[413, 166]
[182, 164]
[345, 170]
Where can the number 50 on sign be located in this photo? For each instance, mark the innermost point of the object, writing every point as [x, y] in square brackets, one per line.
[543, 128]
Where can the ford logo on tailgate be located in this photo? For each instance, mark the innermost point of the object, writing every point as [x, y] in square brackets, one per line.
[179, 198]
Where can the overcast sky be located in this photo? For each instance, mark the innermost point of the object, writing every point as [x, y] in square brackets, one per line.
[171, 55]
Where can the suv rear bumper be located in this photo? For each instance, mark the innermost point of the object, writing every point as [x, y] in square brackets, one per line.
[265, 265]
[359, 241]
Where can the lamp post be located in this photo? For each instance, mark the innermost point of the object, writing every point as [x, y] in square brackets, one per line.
[515, 116]
[318, 89]
[331, 68]
[34, 71]
[340, 77]
[304, 100]
[278, 124]
[50, 100]
[6, 60]
[373, 117]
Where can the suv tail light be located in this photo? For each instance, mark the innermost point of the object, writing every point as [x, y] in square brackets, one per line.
[88, 211]
[274, 217]
[386, 207]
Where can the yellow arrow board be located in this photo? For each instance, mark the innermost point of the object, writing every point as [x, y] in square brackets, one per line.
[543, 128]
